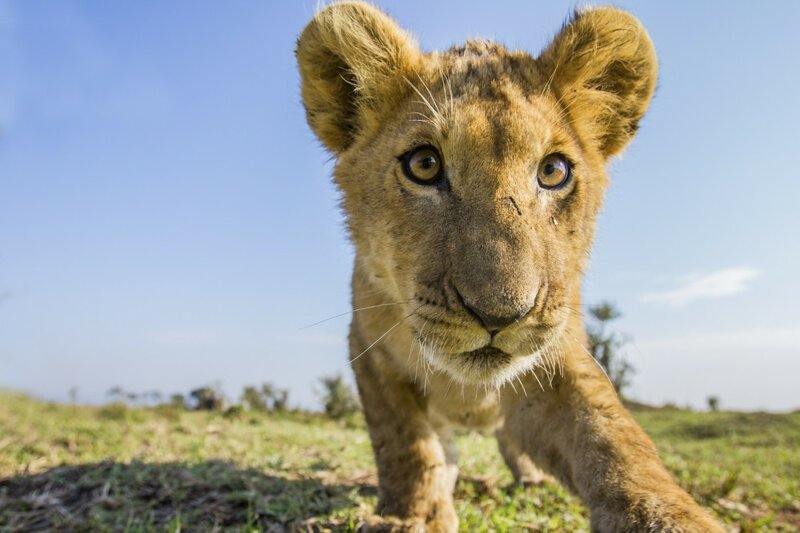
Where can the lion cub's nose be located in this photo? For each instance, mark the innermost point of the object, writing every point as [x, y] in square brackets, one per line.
[494, 323]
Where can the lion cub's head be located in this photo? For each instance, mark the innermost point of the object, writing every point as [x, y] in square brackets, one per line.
[471, 178]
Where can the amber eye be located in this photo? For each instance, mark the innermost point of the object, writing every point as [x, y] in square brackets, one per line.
[554, 172]
[422, 165]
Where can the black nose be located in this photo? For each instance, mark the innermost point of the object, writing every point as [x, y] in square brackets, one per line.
[494, 323]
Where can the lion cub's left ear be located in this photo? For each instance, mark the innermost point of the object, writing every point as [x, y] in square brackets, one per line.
[604, 66]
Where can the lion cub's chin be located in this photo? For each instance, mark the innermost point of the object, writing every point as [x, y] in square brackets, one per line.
[511, 355]
[486, 366]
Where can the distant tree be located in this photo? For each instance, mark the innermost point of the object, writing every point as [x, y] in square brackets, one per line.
[152, 396]
[253, 399]
[116, 393]
[606, 345]
[178, 401]
[207, 399]
[713, 403]
[280, 400]
[338, 398]
[267, 390]
[265, 398]
[132, 397]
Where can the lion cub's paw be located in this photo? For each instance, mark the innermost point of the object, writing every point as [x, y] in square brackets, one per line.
[391, 524]
[678, 519]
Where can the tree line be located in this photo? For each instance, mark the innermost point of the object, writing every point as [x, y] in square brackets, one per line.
[605, 344]
[338, 399]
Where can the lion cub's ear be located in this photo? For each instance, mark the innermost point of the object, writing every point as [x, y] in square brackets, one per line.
[352, 60]
[604, 66]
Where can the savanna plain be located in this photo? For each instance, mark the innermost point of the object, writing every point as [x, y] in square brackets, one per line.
[122, 468]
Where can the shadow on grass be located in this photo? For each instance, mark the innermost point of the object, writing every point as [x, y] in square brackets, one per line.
[170, 496]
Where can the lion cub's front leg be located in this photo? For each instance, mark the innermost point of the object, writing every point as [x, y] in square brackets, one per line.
[415, 482]
[579, 431]
[518, 462]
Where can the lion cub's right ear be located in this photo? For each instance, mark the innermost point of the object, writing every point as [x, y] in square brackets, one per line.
[352, 61]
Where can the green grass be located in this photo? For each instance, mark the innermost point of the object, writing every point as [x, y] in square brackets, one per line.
[121, 469]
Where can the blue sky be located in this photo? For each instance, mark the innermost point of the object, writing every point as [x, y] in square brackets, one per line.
[167, 218]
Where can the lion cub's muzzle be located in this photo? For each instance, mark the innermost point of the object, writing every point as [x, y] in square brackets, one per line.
[493, 274]
[492, 322]
[496, 300]
[464, 325]
[487, 343]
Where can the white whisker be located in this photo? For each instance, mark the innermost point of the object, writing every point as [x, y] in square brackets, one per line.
[356, 311]
[424, 100]
[595, 361]
[522, 385]
[449, 386]
[511, 383]
[384, 334]
[433, 100]
[537, 379]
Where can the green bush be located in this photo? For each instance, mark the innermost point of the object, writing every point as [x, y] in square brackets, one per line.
[338, 398]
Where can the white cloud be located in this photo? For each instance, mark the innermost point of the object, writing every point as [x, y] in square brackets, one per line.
[724, 282]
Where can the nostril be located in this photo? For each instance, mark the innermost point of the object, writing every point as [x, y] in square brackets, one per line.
[492, 322]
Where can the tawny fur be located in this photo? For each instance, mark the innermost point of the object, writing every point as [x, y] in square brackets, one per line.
[488, 238]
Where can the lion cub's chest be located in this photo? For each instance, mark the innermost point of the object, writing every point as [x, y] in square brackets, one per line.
[471, 407]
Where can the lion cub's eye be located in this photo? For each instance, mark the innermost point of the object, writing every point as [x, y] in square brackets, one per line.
[554, 172]
[422, 165]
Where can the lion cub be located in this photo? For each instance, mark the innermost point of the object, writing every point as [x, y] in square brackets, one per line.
[471, 180]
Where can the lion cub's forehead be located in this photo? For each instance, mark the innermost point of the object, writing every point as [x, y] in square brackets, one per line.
[477, 62]
[493, 99]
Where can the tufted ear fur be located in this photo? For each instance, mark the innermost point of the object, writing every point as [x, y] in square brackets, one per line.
[604, 67]
[352, 60]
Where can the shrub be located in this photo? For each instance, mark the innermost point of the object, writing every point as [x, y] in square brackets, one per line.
[713, 403]
[207, 399]
[267, 398]
[338, 398]
[605, 345]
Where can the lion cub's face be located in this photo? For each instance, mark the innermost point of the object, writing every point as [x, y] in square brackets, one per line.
[471, 179]
[475, 208]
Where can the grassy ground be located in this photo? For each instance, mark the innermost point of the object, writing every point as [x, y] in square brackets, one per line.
[115, 468]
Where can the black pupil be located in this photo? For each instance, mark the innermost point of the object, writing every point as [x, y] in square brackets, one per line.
[549, 168]
[428, 162]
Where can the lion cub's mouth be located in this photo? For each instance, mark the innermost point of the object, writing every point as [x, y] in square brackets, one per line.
[488, 355]
[484, 361]
[489, 366]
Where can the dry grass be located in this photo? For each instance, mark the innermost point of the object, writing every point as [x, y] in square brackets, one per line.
[122, 469]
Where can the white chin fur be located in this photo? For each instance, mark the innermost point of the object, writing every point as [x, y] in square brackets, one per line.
[462, 370]
[466, 372]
